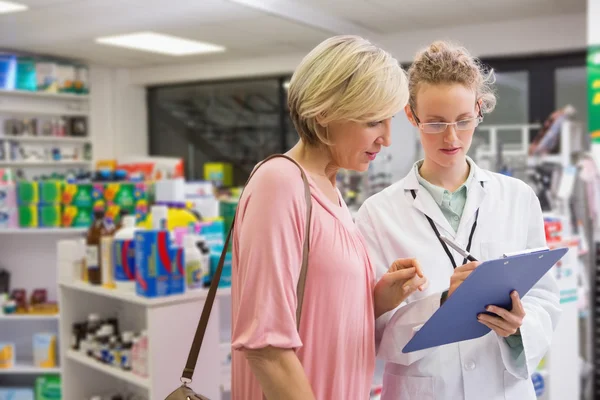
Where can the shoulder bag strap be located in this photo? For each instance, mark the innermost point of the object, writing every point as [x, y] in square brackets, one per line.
[190, 365]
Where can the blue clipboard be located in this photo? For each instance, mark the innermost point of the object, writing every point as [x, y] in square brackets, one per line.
[490, 284]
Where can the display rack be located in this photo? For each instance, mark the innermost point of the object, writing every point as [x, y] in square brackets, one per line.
[170, 323]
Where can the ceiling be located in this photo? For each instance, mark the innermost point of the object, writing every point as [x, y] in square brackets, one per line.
[68, 28]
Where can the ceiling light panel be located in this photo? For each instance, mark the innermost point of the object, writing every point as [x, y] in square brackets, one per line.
[10, 7]
[160, 43]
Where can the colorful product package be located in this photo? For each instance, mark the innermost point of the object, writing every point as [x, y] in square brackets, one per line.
[28, 216]
[16, 394]
[7, 355]
[50, 216]
[44, 350]
[27, 193]
[50, 192]
[225, 280]
[124, 260]
[153, 263]
[78, 194]
[120, 193]
[48, 387]
[220, 174]
[77, 217]
[9, 218]
[8, 195]
[26, 77]
[177, 278]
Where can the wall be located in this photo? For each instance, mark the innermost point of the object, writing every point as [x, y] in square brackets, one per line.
[539, 35]
[118, 120]
[593, 27]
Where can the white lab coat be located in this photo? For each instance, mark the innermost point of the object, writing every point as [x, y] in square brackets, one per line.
[510, 219]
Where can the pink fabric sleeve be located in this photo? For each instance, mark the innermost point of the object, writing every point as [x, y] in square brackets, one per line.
[269, 234]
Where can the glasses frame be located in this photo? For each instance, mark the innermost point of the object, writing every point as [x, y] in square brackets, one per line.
[421, 125]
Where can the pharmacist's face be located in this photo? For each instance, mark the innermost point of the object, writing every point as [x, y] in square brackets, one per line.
[445, 103]
[355, 144]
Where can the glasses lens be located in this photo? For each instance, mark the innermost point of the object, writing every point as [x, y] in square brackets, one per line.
[434, 128]
[467, 124]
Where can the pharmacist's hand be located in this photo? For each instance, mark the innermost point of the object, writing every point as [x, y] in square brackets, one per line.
[402, 279]
[460, 274]
[506, 322]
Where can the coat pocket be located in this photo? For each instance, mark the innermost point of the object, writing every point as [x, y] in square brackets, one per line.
[407, 387]
[518, 389]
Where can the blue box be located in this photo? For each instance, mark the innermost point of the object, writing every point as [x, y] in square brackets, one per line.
[225, 280]
[16, 394]
[177, 281]
[153, 263]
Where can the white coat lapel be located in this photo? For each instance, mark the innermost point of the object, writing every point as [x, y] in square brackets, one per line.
[475, 197]
[425, 203]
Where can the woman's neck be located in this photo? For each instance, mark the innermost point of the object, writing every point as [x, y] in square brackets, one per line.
[450, 178]
[315, 159]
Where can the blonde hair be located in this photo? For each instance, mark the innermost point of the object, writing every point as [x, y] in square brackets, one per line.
[443, 62]
[345, 78]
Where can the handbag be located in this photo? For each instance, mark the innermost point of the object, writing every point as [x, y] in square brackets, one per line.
[185, 392]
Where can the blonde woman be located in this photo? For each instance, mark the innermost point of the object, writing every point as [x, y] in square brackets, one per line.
[487, 213]
[341, 98]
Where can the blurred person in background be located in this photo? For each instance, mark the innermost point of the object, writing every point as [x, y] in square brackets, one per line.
[487, 213]
[341, 97]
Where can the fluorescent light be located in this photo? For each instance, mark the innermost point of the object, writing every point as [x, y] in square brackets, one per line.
[159, 43]
[9, 7]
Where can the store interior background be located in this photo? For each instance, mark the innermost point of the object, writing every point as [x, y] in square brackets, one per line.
[230, 107]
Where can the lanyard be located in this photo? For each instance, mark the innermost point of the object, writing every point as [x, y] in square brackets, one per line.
[437, 233]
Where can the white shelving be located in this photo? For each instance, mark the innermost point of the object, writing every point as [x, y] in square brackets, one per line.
[64, 163]
[26, 93]
[42, 231]
[48, 139]
[24, 368]
[120, 374]
[28, 317]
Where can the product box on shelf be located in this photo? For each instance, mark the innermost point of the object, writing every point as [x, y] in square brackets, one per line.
[80, 194]
[28, 193]
[153, 263]
[8, 71]
[50, 192]
[7, 355]
[48, 387]
[8, 195]
[47, 76]
[221, 174]
[50, 216]
[177, 278]
[77, 217]
[26, 76]
[16, 394]
[44, 350]
[82, 80]
[9, 218]
[28, 216]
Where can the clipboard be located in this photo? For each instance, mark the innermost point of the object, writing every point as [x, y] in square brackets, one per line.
[489, 284]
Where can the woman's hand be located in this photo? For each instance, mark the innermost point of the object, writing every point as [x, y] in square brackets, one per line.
[506, 323]
[402, 279]
[460, 274]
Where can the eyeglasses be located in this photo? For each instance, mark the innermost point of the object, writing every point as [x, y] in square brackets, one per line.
[434, 128]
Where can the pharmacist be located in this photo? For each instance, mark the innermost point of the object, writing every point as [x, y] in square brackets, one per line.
[487, 213]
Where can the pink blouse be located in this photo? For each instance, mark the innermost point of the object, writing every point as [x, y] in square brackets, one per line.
[336, 343]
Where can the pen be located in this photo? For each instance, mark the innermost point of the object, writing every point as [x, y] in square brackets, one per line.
[456, 247]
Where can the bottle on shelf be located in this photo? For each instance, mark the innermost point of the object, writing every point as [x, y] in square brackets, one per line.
[193, 262]
[106, 255]
[127, 351]
[92, 255]
[124, 255]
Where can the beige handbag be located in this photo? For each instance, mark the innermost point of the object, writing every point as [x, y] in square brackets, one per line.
[184, 392]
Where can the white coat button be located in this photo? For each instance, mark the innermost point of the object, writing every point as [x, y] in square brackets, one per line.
[456, 218]
[469, 366]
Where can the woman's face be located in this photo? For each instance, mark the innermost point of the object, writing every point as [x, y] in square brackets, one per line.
[445, 103]
[356, 144]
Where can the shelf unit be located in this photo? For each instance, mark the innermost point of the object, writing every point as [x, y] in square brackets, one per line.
[42, 231]
[28, 317]
[24, 368]
[126, 376]
[64, 163]
[18, 102]
[49, 95]
[48, 139]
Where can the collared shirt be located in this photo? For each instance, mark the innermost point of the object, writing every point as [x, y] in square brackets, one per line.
[452, 204]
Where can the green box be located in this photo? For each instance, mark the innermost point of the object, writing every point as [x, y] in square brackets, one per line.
[50, 216]
[50, 192]
[122, 194]
[48, 387]
[28, 217]
[77, 217]
[78, 194]
[28, 193]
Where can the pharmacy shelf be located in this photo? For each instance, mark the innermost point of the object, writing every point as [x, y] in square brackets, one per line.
[130, 297]
[48, 95]
[115, 372]
[48, 139]
[28, 317]
[42, 231]
[24, 368]
[45, 163]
